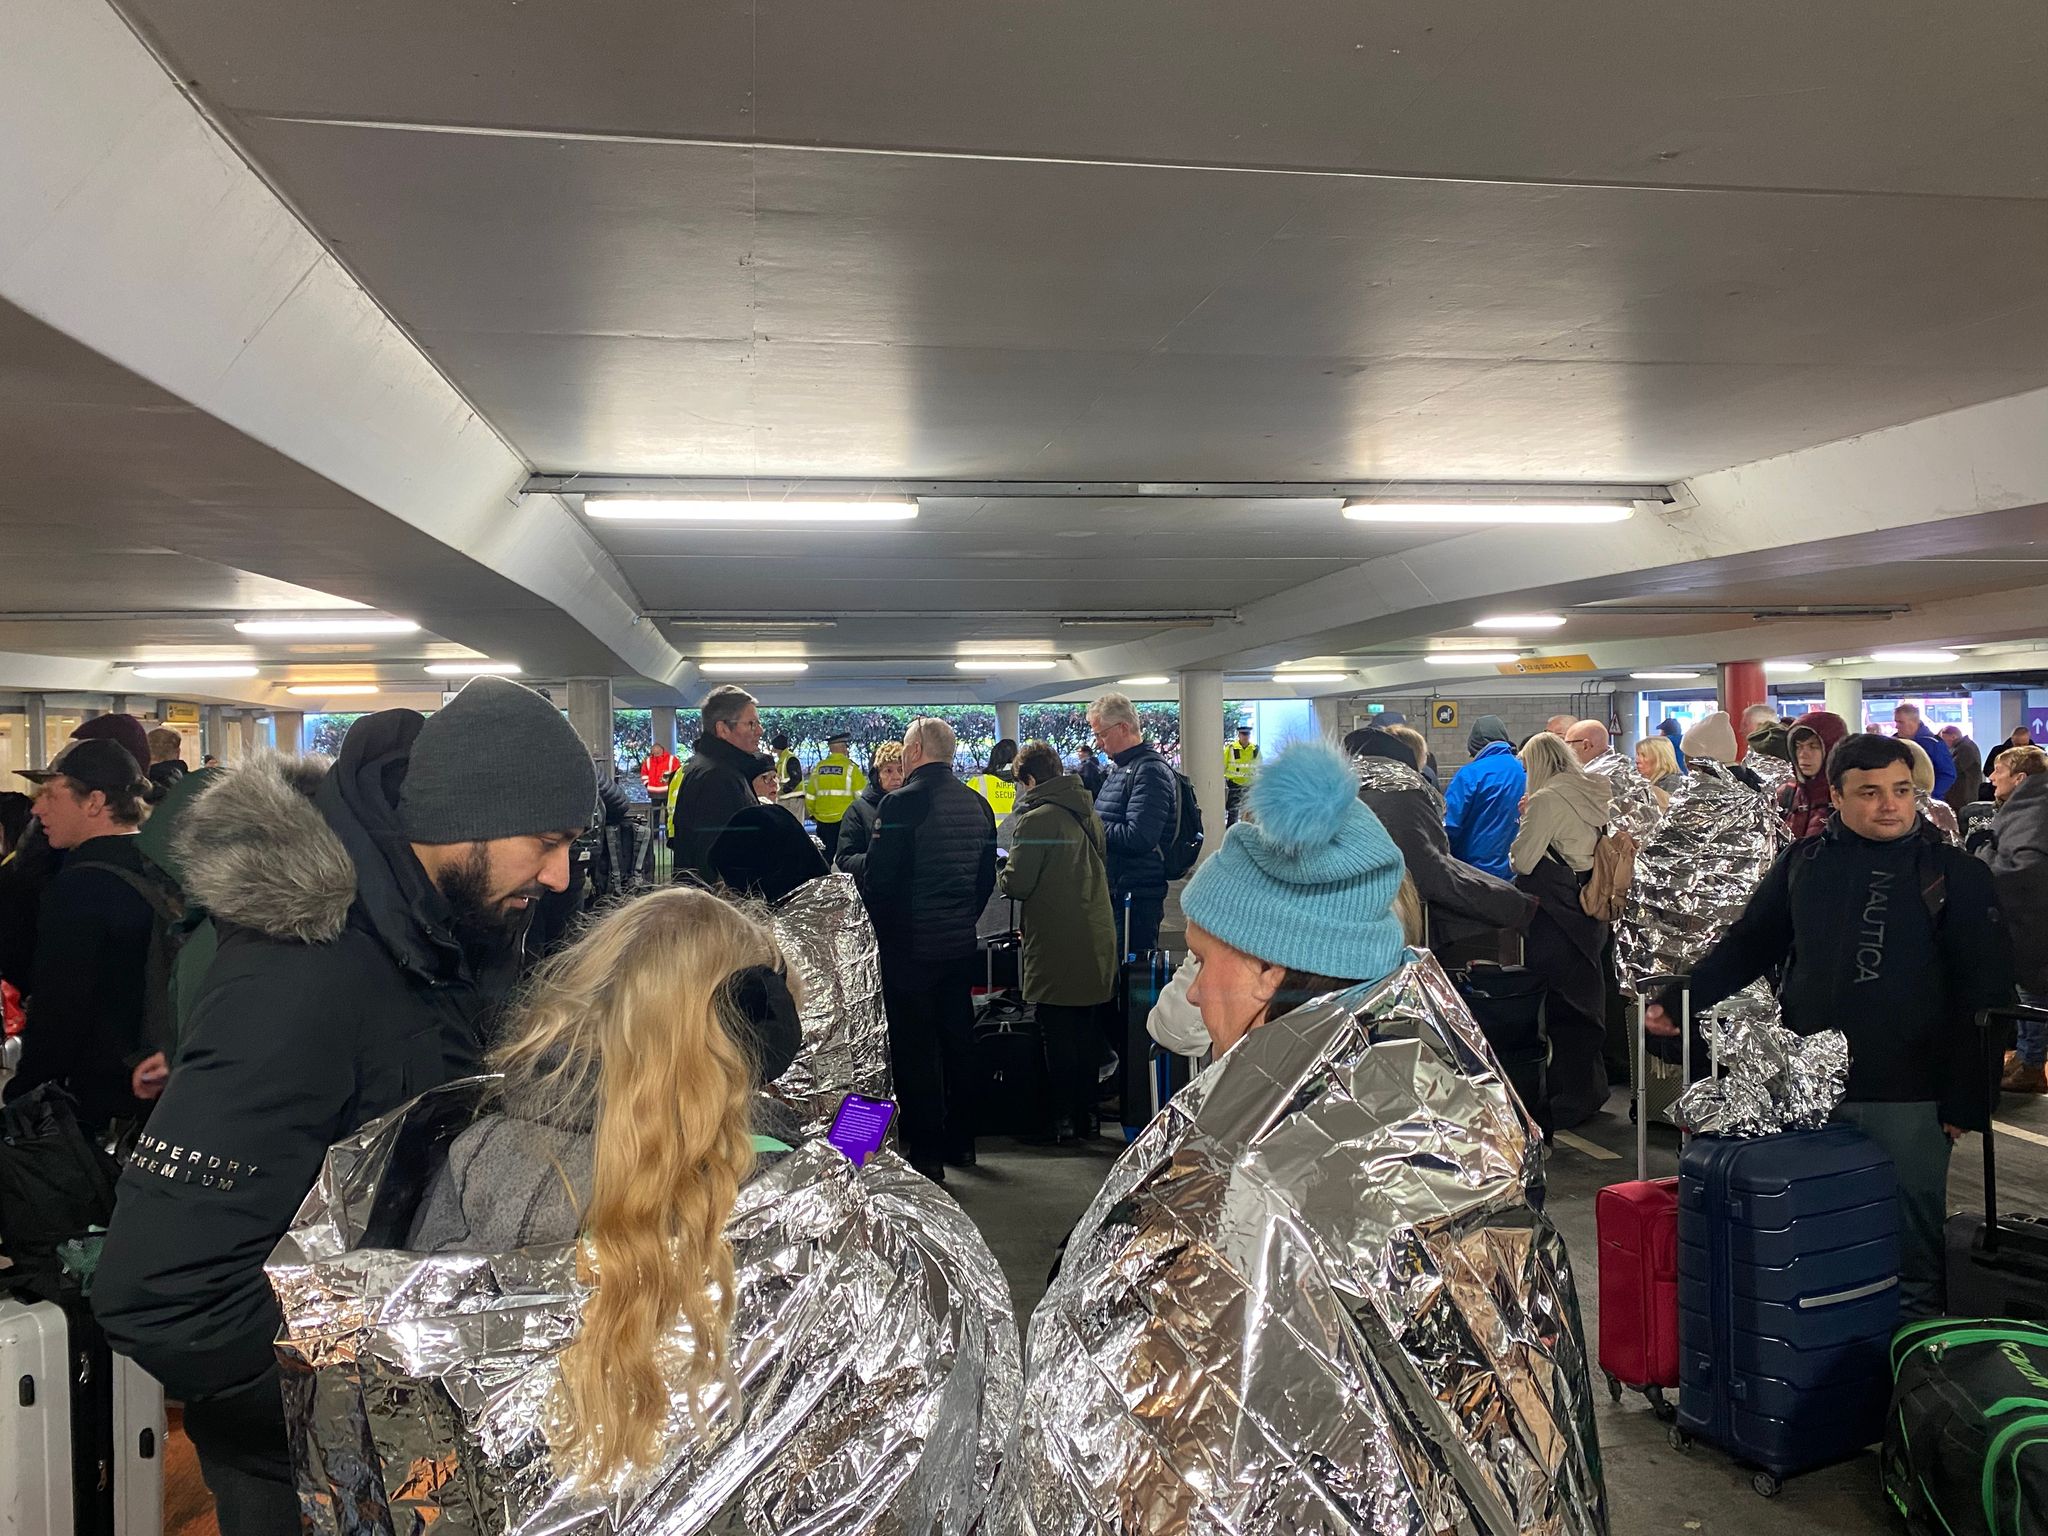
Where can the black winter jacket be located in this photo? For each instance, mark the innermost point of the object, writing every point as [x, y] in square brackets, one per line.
[86, 1014]
[1849, 922]
[1139, 804]
[1461, 900]
[857, 831]
[930, 870]
[338, 993]
[23, 880]
[717, 784]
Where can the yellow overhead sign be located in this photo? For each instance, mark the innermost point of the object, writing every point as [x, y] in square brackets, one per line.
[176, 712]
[1527, 665]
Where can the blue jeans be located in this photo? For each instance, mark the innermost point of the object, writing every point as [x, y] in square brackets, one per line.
[2033, 1040]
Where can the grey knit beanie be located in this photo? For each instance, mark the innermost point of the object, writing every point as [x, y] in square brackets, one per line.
[496, 761]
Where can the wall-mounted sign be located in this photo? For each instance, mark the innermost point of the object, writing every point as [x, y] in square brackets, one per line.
[1375, 709]
[1529, 666]
[1443, 715]
[177, 712]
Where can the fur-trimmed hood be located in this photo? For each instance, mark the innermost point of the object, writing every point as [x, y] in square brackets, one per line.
[256, 851]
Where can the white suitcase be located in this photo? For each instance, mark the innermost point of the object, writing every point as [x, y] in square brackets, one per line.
[81, 1432]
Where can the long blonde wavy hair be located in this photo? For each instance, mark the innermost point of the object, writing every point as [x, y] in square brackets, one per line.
[628, 1030]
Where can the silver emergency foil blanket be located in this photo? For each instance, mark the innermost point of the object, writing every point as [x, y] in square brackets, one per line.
[874, 1344]
[826, 936]
[1313, 1296]
[1771, 1079]
[1695, 874]
[1385, 776]
[1775, 773]
[1635, 804]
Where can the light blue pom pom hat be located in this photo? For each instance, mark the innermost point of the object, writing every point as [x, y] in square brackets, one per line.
[1308, 878]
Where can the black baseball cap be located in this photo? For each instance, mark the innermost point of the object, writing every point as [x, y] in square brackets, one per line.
[101, 765]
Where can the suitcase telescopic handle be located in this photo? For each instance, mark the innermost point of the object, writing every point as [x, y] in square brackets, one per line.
[1645, 987]
[1995, 1070]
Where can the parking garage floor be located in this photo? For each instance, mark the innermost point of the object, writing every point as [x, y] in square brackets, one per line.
[1026, 1198]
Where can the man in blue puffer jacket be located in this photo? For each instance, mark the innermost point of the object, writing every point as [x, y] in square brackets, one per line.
[1483, 807]
[1910, 727]
[1139, 804]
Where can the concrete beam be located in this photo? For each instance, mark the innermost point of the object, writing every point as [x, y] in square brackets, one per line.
[134, 227]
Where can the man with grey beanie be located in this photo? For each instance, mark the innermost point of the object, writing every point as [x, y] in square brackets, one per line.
[370, 917]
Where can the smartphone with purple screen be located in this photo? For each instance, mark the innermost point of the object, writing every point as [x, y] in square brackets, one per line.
[859, 1127]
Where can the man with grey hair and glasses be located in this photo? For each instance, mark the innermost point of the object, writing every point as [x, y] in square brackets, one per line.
[1139, 804]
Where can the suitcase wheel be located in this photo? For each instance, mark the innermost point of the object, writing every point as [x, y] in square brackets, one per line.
[1767, 1485]
[1662, 1406]
[1613, 1387]
[1680, 1440]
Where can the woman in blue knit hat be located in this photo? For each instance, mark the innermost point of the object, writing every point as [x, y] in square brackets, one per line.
[1299, 900]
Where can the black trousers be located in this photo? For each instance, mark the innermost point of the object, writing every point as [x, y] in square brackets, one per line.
[1072, 1052]
[931, 1043]
[828, 834]
[246, 1460]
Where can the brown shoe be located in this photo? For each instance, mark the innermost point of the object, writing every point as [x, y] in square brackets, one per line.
[2020, 1078]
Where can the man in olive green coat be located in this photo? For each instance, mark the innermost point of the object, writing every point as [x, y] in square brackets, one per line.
[1057, 872]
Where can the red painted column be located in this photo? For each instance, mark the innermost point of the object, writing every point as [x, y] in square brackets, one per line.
[1742, 684]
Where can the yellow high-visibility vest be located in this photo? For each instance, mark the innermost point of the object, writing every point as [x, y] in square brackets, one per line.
[833, 787]
[999, 792]
[1240, 762]
[782, 761]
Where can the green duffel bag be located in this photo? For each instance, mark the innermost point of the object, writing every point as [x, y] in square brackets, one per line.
[1966, 1444]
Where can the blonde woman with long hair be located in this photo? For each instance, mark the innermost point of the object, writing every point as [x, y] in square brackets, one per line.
[627, 1118]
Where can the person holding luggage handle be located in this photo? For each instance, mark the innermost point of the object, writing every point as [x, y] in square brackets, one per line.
[1896, 939]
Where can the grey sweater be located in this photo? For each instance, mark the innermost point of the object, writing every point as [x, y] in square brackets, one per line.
[512, 1182]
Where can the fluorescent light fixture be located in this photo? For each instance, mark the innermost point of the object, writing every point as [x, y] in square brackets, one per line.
[177, 671]
[1423, 513]
[1470, 658]
[682, 622]
[474, 669]
[704, 509]
[1005, 648]
[1311, 677]
[333, 690]
[1522, 621]
[1665, 677]
[1926, 658]
[1143, 682]
[1788, 668]
[763, 668]
[1005, 664]
[330, 627]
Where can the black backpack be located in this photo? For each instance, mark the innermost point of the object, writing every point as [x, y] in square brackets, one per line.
[1185, 846]
[170, 926]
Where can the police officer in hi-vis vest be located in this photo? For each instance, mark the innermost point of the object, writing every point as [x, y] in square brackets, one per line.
[1240, 762]
[835, 783]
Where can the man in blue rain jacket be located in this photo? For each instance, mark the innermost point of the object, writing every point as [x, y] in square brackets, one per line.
[1483, 807]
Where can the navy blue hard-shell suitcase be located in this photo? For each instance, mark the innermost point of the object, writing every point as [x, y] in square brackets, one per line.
[1788, 1295]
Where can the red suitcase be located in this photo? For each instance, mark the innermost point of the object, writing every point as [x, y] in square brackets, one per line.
[1638, 1227]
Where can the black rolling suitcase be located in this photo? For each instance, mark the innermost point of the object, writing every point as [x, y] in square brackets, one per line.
[1012, 1093]
[1997, 1265]
[1507, 1000]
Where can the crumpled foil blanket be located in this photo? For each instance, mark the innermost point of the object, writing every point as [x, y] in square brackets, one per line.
[1695, 874]
[1771, 1079]
[1314, 1296]
[875, 1355]
[825, 934]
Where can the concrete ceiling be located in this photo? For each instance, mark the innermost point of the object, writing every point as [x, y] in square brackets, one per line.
[1173, 240]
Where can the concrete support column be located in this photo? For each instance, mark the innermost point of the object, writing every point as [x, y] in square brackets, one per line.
[1844, 696]
[36, 734]
[1623, 711]
[290, 725]
[119, 705]
[1995, 714]
[1201, 749]
[590, 711]
[246, 742]
[1331, 710]
[213, 732]
[1009, 718]
[665, 728]
[1742, 684]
